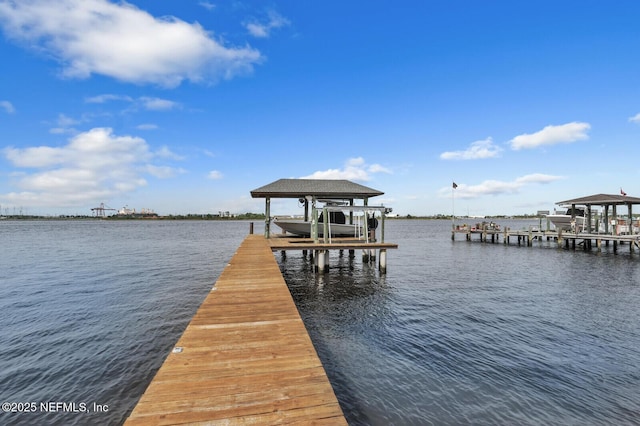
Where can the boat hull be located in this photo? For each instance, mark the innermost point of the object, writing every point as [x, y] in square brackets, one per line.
[302, 228]
[563, 221]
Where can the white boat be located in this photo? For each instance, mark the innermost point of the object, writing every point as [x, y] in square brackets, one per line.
[303, 228]
[563, 221]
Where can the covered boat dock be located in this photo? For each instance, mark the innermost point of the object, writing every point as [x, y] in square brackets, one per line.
[310, 191]
[607, 202]
[608, 226]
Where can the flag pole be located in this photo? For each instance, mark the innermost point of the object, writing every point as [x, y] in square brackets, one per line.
[453, 206]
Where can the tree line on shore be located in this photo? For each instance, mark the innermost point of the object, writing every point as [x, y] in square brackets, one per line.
[243, 216]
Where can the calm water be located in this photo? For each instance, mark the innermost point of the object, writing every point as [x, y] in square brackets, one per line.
[454, 333]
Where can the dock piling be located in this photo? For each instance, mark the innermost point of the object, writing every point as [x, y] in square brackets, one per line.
[383, 261]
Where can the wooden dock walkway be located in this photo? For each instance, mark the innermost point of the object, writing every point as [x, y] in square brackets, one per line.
[566, 238]
[245, 358]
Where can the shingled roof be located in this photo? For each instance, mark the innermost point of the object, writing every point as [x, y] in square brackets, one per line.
[602, 200]
[319, 188]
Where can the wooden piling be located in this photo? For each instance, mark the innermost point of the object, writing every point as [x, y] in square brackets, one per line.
[383, 261]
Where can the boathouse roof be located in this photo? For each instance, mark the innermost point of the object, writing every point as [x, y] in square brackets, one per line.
[602, 200]
[320, 188]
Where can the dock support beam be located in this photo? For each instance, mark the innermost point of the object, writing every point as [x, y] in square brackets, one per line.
[267, 218]
[383, 261]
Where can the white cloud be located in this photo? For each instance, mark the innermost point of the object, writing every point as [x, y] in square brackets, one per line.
[214, 175]
[119, 40]
[263, 29]
[552, 135]
[163, 172]
[144, 102]
[64, 121]
[635, 118]
[94, 166]
[257, 30]
[7, 106]
[147, 126]
[165, 152]
[478, 150]
[101, 99]
[158, 104]
[354, 169]
[537, 178]
[64, 125]
[207, 5]
[377, 168]
[496, 187]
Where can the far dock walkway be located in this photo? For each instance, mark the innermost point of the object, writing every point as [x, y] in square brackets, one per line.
[584, 239]
[245, 358]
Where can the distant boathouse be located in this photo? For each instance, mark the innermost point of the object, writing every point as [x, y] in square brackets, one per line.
[610, 225]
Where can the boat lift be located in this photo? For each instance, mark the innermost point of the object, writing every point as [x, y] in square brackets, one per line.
[383, 210]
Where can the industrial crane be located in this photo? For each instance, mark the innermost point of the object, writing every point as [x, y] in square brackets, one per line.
[99, 211]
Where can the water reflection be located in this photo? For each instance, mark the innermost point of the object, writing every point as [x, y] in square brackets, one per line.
[475, 333]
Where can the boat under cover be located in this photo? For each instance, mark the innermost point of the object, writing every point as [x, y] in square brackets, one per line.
[563, 221]
[303, 228]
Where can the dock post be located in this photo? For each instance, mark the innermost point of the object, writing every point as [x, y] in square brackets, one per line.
[383, 261]
[267, 218]
[365, 256]
[559, 238]
[321, 261]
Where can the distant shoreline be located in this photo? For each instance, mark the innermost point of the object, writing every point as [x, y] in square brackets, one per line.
[246, 217]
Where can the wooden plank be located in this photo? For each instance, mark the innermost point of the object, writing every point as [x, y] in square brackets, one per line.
[286, 242]
[245, 357]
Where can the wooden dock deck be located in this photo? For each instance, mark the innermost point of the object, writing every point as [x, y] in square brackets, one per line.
[245, 358]
[288, 242]
[284, 242]
[566, 238]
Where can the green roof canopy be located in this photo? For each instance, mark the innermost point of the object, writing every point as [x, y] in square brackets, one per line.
[319, 188]
[602, 200]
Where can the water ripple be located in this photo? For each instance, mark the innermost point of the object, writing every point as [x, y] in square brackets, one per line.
[546, 336]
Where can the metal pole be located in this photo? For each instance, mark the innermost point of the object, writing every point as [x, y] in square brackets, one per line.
[267, 219]
[314, 221]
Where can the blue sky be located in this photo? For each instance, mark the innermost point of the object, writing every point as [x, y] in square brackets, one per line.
[186, 106]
